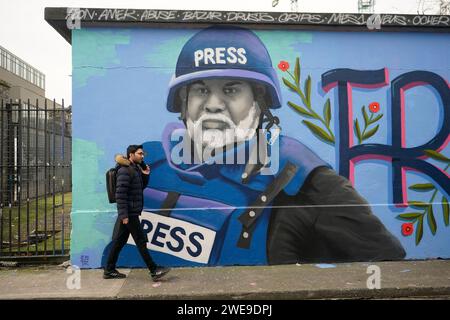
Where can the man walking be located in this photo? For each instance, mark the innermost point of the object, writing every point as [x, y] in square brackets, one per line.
[131, 180]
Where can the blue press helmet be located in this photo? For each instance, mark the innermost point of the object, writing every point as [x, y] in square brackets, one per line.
[224, 52]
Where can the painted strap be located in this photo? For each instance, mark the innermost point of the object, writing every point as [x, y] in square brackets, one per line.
[168, 204]
[250, 216]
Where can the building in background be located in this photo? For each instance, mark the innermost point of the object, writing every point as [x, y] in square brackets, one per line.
[31, 131]
[24, 81]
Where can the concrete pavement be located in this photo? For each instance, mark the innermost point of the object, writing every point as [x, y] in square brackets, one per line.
[404, 279]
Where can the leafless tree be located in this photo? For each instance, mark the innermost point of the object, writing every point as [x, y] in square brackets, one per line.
[444, 7]
[428, 6]
[4, 90]
[294, 4]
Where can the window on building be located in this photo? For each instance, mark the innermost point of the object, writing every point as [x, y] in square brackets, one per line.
[8, 62]
[3, 59]
[22, 69]
[15, 65]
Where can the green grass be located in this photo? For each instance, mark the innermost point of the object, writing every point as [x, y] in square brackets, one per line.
[42, 214]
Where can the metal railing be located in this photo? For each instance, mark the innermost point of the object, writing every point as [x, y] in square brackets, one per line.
[35, 179]
[20, 68]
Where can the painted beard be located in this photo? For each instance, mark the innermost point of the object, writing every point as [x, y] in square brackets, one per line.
[216, 130]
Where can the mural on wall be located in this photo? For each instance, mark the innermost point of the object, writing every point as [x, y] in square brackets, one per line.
[265, 147]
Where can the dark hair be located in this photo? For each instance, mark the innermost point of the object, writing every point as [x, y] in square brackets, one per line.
[133, 148]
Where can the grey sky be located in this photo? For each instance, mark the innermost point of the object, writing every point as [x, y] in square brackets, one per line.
[25, 33]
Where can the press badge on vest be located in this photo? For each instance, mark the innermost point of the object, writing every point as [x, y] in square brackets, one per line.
[176, 237]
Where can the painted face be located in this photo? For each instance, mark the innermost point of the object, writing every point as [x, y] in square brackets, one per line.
[221, 111]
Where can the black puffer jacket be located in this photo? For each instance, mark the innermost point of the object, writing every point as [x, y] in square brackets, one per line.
[130, 183]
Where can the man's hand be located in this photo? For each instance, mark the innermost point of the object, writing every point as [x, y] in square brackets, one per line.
[125, 221]
[146, 171]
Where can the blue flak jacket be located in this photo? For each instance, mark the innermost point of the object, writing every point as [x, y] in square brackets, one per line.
[192, 213]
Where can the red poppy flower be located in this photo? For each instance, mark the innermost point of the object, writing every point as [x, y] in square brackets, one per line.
[407, 229]
[374, 107]
[283, 66]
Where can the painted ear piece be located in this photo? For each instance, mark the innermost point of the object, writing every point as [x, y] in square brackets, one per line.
[273, 134]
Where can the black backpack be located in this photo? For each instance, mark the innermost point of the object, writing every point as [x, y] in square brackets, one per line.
[111, 179]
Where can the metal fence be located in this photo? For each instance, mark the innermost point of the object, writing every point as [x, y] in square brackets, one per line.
[35, 179]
